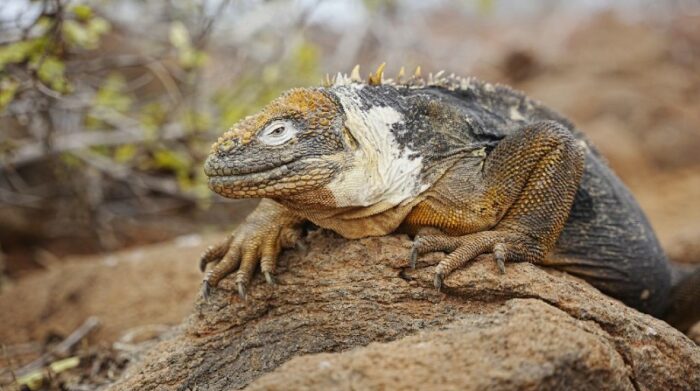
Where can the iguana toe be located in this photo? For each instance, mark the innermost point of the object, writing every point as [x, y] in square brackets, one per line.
[504, 245]
[259, 240]
[214, 253]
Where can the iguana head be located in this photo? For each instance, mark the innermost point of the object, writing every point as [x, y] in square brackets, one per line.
[295, 144]
[349, 144]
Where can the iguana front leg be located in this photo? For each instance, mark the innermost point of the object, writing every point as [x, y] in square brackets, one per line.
[259, 239]
[516, 211]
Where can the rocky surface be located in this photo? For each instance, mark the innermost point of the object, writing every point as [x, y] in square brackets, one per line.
[145, 286]
[378, 325]
[526, 344]
[694, 333]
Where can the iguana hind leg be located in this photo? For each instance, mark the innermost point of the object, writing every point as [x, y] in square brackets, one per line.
[532, 175]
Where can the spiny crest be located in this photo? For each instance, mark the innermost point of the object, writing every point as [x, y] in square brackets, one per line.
[439, 79]
[377, 78]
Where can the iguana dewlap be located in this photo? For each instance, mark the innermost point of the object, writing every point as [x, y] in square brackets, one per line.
[486, 168]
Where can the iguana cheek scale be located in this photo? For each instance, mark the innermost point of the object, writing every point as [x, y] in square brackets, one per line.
[483, 167]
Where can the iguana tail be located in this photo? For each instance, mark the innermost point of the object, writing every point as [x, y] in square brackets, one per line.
[684, 305]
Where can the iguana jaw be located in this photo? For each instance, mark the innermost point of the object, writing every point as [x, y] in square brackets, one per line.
[288, 179]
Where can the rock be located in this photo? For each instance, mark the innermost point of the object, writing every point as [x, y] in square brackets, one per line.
[526, 343]
[694, 333]
[379, 325]
[124, 290]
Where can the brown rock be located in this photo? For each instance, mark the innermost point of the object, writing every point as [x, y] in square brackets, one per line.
[526, 344]
[123, 290]
[528, 329]
[694, 333]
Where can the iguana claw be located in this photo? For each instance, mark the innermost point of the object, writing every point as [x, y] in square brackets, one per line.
[258, 240]
[437, 280]
[414, 256]
[206, 290]
[499, 252]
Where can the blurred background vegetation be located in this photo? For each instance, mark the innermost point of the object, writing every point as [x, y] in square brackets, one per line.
[107, 108]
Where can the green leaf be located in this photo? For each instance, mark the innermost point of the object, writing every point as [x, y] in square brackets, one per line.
[45, 23]
[85, 35]
[75, 33]
[197, 121]
[111, 94]
[82, 12]
[188, 56]
[32, 381]
[191, 58]
[51, 72]
[179, 36]
[166, 159]
[18, 52]
[71, 160]
[99, 26]
[64, 365]
[178, 163]
[8, 88]
[124, 153]
[152, 117]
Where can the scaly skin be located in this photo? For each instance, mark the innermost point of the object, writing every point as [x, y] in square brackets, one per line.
[270, 228]
[487, 169]
[528, 187]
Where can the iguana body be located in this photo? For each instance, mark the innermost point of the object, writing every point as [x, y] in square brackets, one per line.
[487, 169]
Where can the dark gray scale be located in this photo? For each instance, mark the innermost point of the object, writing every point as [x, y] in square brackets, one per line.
[607, 239]
[609, 242]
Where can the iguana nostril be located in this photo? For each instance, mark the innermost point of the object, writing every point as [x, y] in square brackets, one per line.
[227, 145]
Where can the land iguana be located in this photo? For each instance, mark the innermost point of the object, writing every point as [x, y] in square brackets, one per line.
[481, 167]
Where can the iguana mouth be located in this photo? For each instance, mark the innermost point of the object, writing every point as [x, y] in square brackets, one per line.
[233, 174]
[217, 167]
[287, 179]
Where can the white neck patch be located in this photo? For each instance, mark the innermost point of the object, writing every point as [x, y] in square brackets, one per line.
[382, 172]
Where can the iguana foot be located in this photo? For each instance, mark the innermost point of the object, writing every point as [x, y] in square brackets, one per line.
[531, 178]
[502, 244]
[267, 230]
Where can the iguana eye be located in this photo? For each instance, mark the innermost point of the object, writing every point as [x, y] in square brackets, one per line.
[277, 133]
